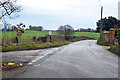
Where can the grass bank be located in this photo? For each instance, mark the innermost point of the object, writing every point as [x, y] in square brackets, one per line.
[33, 46]
[115, 50]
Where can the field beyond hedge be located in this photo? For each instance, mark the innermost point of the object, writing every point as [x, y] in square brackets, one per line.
[29, 34]
[26, 36]
[88, 34]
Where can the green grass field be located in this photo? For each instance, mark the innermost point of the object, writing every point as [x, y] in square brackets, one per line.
[88, 34]
[29, 34]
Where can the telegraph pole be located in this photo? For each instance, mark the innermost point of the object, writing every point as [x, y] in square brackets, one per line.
[101, 32]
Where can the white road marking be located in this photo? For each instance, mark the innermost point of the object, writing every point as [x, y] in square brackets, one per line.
[40, 57]
[37, 65]
[35, 60]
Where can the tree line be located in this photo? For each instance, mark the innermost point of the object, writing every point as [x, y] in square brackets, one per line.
[85, 30]
[107, 23]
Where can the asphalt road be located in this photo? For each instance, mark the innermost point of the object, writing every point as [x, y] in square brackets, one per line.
[83, 59]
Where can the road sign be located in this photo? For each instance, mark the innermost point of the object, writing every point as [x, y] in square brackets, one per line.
[5, 27]
[5, 30]
[50, 32]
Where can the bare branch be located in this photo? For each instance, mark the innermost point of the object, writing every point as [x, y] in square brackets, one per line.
[7, 7]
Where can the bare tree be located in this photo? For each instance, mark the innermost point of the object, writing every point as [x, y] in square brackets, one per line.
[66, 30]
[8, 7]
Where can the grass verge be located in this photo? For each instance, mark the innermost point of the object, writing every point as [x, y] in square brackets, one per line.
[33, 46]
[114, 49]
[103, 43]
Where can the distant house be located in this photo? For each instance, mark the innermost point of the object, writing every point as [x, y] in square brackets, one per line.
[36, 28]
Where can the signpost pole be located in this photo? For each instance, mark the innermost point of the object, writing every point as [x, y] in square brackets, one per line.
[50, 33]
[4, 34]
[5, 27]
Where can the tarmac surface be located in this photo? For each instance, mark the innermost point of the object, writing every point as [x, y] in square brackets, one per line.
[83, 59]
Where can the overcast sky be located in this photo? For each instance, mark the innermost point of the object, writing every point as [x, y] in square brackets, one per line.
[52, 13]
